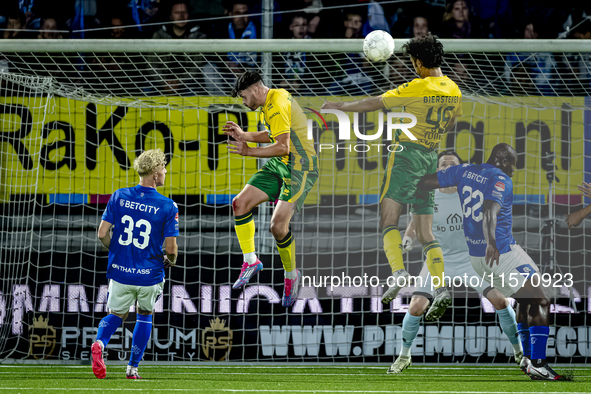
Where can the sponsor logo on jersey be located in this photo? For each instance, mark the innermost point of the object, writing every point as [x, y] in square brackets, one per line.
[476, 241]
[136, 206]
[454, 218]
[500, 186]
[476, 177]
[502, 178]
[129, 270]
[176, 217]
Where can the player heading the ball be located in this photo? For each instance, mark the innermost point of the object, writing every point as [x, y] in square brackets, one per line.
[142, 220]
[435, 100]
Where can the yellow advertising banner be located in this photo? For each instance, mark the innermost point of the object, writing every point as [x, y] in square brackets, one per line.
[84, 148]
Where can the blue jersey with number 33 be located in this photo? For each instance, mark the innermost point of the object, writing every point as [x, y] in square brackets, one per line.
[142, 219]
[477, 183]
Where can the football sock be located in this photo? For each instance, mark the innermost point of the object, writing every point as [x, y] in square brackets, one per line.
[393, 247]
[509, 326]
[141, 335]
[523, 330]
[434, 262]
[108, 325]
[245, 230]
[286, 248]
[410, 328]
[538, 338]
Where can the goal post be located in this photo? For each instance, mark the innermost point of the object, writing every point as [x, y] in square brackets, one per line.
[75, 113]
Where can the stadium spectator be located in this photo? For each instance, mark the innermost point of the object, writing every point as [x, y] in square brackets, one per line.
[353, 24]
[49, 29]
[458, 22]
[420, 26]
[352, 66]
[179, 14]
[177, 74]
[117, 30]
[530, 72]
[15, 26]
[313, 10]
[295, 69]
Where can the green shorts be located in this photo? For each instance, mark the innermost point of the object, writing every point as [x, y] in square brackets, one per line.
[403, 172]
[280, 183]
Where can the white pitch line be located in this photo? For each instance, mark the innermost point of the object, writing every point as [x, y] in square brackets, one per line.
[293, 391]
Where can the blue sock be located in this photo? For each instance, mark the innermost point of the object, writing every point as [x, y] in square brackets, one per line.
[508, 324]
[523, 330]
[141, 335]
[539, 339]
[410, 328]
[108, 325]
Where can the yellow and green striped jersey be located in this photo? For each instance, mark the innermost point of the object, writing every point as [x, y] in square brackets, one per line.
[282, 114]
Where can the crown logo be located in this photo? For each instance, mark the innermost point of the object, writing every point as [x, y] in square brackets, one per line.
[217, 324]
[40, 322]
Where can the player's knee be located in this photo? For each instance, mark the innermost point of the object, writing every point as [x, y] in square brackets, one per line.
[278, 230]
[239, 206]
[418, 305]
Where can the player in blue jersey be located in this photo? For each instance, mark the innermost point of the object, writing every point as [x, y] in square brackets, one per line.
[486, 193]
[447, 225]
[142, 221]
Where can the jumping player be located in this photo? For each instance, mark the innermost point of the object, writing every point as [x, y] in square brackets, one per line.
[287, 177]
[435, 101]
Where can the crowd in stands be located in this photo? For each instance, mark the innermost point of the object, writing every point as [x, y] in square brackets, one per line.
[308, 73]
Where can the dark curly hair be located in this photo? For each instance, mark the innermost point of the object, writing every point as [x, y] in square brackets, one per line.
[449, 153]
[244, 81]
[428, 49]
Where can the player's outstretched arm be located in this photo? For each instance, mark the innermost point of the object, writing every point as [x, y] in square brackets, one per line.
[429, 182]
[104, 234]
[172, 251]
[576, 218]
[490, 210]
[365, 105]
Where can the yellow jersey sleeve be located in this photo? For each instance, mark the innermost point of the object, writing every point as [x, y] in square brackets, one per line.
[278, 115]
[403, 95]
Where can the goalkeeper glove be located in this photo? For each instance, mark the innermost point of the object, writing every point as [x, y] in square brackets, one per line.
[406, 244]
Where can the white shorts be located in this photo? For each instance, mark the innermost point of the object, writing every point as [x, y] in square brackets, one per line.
[121, 297]
[513, 270]
[463, 270]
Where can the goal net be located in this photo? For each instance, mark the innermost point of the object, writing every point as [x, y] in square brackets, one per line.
[74, 116]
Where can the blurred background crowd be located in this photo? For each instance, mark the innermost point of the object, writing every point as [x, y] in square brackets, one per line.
[309, 73]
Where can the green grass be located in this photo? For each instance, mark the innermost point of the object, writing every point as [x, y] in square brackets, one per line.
[290, 379]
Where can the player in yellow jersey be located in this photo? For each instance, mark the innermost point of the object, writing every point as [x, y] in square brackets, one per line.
[287, 177]
[435, 101]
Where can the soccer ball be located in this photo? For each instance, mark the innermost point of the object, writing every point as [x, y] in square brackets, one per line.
[378, 46]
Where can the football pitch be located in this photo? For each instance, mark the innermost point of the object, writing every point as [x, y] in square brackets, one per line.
[288, 379]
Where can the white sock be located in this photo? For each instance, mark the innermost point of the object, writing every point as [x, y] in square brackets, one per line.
[405, 351]
[101, 343]
[250, 258]
[290, 274]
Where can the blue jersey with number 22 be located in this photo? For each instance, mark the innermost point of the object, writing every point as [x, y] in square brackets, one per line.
[477, 183]
[142, 219]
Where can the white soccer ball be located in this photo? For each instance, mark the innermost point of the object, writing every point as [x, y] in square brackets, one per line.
[378, 46]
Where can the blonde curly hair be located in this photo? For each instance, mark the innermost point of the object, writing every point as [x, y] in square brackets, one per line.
[149, 162]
